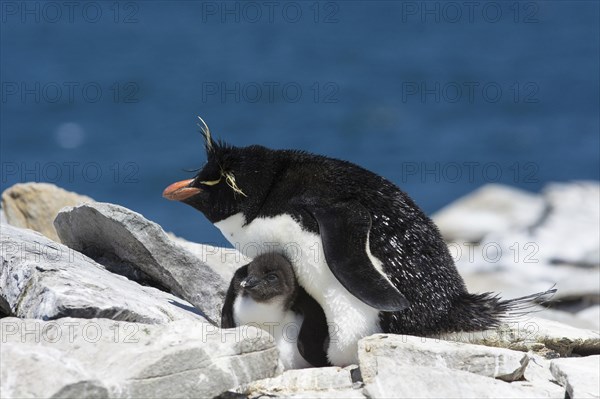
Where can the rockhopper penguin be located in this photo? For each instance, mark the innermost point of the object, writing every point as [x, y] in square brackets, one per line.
[362, 248]
[265, 294]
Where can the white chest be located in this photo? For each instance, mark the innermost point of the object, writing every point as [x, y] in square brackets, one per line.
[349, 319]
[283, 326]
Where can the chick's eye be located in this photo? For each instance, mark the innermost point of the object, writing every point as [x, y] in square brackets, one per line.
[271, 277]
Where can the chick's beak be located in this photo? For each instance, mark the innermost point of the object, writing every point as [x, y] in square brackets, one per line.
[250, 282]
[180, 190]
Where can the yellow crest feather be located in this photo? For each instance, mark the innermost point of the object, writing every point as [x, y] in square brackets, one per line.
[206, 132]
[230, 179]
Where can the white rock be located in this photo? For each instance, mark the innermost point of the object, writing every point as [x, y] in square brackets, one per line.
[76, 357]
[224, 261]
[580, 376]
[36, 371]
[335, 394]
[571, 232]
[573, 320]
[430, 382]
[407, 351]
[302, 382]
[3, 217]
[515, 279]
[561, 226]
[591, 315]
[539, 378]
[532, 333]
[491, 208]
[562, 247]
[126, 242]
[43, 279]
[571, 283]
[568, 234]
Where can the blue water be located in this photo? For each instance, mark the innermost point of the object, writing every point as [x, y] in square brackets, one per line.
[436, 98]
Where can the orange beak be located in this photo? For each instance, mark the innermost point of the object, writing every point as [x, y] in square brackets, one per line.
[180, 190]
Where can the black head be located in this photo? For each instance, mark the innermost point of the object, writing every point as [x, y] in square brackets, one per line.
[233, 179]
[270, 276]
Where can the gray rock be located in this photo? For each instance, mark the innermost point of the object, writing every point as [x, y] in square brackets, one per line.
[304, 382]
[83, 389]
[580, 376]
[43, 279]
[130, 244]
[407, 351]
[430, 382]
[491, 208]
[547, 337]
[35, 205]
[104, 358]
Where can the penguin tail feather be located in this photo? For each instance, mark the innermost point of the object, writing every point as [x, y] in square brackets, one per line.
[487, 310]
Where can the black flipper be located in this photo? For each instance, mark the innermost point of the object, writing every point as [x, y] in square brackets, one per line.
[227, 320]
[314, 332]
[344, 230]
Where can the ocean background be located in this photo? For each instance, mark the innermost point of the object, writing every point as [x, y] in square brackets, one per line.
[102, 98]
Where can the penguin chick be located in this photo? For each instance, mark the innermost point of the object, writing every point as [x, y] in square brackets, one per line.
[265, 294]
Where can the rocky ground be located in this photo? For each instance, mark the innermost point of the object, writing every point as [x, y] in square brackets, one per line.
[96, 301]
